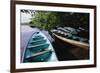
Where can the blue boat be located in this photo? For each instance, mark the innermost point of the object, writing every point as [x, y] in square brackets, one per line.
[39, 49]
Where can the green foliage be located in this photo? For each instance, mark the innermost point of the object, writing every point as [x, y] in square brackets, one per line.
[44, 20]
[48, 20]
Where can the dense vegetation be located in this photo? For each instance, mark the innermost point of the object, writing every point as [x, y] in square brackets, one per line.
[48, 19]
[45, 20]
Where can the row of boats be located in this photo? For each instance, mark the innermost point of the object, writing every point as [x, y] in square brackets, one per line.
[77, 37]
[40, 49]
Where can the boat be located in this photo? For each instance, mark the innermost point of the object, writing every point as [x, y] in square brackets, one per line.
[39, 49]
[70, 36]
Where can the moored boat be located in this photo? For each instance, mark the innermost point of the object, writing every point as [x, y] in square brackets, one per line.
[39, 49]
[71, 36]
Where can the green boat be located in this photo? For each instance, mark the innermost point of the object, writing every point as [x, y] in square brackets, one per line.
[37, 38]
[37, 42]
[38, 49]
[39, 57]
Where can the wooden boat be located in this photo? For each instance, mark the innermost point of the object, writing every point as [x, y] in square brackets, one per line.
[39, 57]
[70, 37]
[39, 49]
